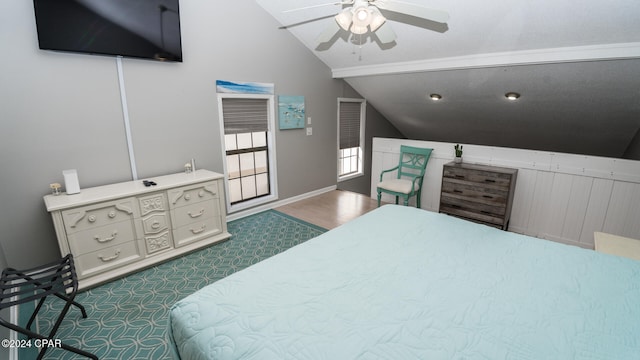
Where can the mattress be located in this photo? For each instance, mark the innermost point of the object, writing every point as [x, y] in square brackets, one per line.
[404, 283]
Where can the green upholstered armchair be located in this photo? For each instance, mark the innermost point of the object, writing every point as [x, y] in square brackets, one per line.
[410, 174]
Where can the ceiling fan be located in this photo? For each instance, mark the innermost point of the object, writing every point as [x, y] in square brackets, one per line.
[364, 16]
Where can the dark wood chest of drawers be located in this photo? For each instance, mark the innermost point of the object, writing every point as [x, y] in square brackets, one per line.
[479, 193]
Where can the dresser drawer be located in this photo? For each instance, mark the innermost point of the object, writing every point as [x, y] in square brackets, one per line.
[188, 195]
[474, 192]
[159, 242]
[197, 230]
[107, 258]
[478, 176]
[469, 214]
[155, 223]
[152, 203]
[101, 237]
[482, 208]
[97, 215]
[194, 213]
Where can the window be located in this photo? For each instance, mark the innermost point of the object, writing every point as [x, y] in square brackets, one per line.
[351, 123]
[249, 149]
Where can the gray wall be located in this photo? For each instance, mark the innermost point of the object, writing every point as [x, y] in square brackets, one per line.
[63, 111]
[4, 332]
[633, 150]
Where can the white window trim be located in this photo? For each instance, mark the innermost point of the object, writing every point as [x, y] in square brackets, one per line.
[363, 107]
[271, 144]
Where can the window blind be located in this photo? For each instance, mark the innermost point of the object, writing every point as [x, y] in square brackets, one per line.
[349, 124]
[241, 115]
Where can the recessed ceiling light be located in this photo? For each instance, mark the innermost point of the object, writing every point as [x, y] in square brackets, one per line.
[512, 96]
[435, 97]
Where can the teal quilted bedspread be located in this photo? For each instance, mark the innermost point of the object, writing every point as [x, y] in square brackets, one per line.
[404, 283]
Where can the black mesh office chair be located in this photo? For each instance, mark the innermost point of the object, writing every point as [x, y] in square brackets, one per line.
[22, 286]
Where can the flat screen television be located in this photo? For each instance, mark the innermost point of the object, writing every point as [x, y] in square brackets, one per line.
[147, 29]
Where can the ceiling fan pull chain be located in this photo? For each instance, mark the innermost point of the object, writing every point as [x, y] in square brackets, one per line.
[353, 44]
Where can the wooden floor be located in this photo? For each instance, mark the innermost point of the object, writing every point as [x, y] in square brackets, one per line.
[331, 209]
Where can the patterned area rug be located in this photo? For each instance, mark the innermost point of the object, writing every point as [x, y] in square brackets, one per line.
[127, 318]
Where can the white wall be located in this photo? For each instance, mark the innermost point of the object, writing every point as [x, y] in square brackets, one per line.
[560, 197]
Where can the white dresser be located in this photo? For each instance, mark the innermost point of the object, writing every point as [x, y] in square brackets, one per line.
[116, 229]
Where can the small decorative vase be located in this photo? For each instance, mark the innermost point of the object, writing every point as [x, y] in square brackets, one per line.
[458, 159]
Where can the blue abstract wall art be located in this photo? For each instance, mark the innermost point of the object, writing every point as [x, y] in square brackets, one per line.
[234, 87]
[291, 112]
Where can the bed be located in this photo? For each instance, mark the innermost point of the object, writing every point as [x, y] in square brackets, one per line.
[405, 283]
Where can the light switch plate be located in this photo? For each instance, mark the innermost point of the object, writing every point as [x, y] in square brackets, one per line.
[309, 131]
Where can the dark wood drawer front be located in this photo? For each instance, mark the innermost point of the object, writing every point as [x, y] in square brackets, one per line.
[478, 176]
[473, 192]
[479, 193]
[479, 207]
[488, 219]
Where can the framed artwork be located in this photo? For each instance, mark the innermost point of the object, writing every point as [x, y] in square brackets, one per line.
[235, 87]
[291, 112]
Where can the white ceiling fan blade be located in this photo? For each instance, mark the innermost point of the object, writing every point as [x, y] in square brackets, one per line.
[413, 10]
[329, 32]
[385, 33]
[319, 5]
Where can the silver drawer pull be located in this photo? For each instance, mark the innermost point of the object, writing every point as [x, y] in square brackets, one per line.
[110, 258]
[198, 231]
[111, 238]
[187, 197]
[193, 216]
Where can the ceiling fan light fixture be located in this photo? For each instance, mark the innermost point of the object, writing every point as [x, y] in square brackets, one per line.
[361, 17]
[344, 19]
[359, 30]
[512, 96]
[377, 19]
[362, 14]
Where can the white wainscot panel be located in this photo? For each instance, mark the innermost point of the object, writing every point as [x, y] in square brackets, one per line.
[560, 197]
[596, 210]
[522, 200]
[623, 214]
[568, 205]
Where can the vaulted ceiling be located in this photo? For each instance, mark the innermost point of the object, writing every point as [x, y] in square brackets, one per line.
[575, 64]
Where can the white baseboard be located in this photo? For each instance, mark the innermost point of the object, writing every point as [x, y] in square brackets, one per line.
[275, 204]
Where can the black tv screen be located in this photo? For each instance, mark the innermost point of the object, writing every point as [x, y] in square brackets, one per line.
[148, 29]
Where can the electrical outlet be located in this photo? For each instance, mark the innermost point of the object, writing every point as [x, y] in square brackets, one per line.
[309, 120]
[309, 131]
